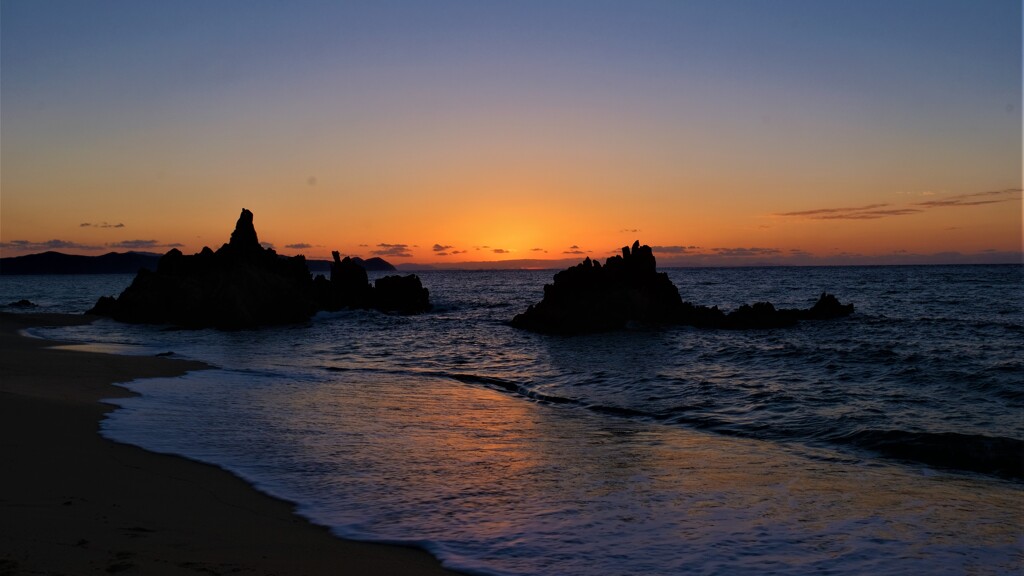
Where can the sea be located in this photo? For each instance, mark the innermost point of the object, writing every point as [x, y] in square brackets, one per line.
[838, 447]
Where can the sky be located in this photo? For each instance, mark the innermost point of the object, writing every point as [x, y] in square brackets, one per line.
[528, 132]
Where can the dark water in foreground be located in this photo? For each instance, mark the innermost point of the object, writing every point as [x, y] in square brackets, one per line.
[887, 442]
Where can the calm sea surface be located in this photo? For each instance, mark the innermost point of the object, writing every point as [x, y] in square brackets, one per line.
[817, 449]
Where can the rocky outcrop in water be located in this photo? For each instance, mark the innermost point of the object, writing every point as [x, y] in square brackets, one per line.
[629, 291]
[761, 314]
[244, 285]
[349, 287]
[23, 304]
[402, 294]
[590, 297]
[241, 285]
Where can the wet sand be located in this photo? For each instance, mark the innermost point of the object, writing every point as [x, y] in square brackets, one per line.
[72, 502]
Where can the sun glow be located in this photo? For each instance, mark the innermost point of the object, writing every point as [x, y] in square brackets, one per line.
[505, 141]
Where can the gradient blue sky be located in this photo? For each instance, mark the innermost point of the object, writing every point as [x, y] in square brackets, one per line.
[701, 127]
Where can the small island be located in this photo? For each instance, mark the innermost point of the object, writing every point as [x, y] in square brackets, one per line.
[629, 291]
[244, 285]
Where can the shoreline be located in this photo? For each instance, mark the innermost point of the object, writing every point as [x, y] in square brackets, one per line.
[73, 502]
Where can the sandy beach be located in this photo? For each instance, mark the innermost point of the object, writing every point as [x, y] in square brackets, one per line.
[72, 502]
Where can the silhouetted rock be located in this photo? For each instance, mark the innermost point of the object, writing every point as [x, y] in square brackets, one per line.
[758, 315]
[826, 308]
[241, 285]
[23, 304]
[591, 298]
[350, 286]
[628, 290]
[243, 237]
[244, 285]
[374, 264]
[403, 294]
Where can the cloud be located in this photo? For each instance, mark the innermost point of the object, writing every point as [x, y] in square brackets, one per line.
[673, 249]
[629, 230]
[440, 250]
[733, 252]
[538, 250]
[576, 250]
[143, 244]
[393, 250]
[871, 214]
[267, 245]
[299, 246]
[975, 199]
[875, 211]
[100, 225]
[868, 212]
[500, 251]
[47, 245]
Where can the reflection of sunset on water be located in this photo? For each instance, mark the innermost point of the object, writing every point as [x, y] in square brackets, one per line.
[445, 459]
[823, 447]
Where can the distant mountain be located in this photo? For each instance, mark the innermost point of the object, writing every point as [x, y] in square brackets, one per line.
[130, 263]
[59, 263]
[370, 265]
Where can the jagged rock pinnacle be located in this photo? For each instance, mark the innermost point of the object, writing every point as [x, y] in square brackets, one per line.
[244, 235]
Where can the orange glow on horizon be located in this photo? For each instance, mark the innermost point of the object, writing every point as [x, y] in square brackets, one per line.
[537, 229]
[389, 132]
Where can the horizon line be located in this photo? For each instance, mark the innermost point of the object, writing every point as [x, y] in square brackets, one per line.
[711, 260]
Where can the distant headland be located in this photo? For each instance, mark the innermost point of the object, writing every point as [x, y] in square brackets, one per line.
[131, 262]
[60, 263]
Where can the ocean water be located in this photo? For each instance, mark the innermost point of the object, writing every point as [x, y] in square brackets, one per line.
[838, 447]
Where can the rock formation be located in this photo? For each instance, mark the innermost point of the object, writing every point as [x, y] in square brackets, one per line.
[244, 285]
[241, 285]
[23, 303]
[592, 298]
[403, 294]
[349, 287]
[629, 291]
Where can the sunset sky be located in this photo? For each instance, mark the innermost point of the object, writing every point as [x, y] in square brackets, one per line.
[719, 132]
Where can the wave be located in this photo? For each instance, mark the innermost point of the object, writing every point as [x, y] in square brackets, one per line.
[998, 456]
[508, 386]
